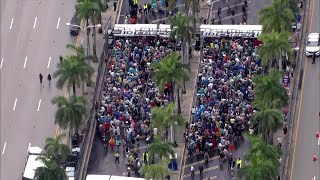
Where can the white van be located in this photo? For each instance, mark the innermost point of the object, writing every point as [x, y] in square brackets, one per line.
[32, 163]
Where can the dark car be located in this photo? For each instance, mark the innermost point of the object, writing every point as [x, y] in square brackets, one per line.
[74, 30]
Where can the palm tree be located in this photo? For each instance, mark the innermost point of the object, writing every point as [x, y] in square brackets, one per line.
[181, 30]
[79, 51]
[170, 69]
[268, 90]
[87, 9]
[262, 160]
[55, 149]
[157, 171]
[259, 147]
[50, 171]
[162, 149]
[276, 17]
[258, 169]
[163, 117]
[269, 120]
[274, 45]
[72, 72]
[71, 111]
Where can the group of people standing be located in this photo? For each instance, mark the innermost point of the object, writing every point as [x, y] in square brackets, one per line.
[224, 96]
[128, 96]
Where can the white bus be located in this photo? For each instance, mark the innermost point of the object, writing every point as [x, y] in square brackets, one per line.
[32, 163]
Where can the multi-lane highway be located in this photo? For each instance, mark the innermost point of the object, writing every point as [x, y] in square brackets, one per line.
[33, 35]
[308, 121]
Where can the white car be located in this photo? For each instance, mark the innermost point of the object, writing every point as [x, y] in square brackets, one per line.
[313, 44]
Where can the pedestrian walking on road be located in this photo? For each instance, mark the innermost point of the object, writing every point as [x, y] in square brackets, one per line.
[201, 171]
[285, 130]
[49, 78]
[60, 58]
[279, 142]
[219, 12]
[192, 171]
[40, 77]
[117, 158]
[314, 58]
[114, 5]
[112, 143]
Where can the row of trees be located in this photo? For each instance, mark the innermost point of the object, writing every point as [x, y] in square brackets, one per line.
[262, 159]
[71, 73]
[276, 21]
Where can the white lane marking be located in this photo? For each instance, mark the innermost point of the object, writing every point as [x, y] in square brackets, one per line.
[49, 62]
[1, 63]
[4, 147]
[25, 62]
[58, 23]
[35, 22]
[11, 23]
[29, 147]
[39, 104]
[14, 105]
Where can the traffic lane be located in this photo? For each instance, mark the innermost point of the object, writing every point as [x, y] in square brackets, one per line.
[7, 22]
[8, 8]
[15, 61]
[17, 139]
[102, 161]
[306, 143]
[35, 79]
[51, 47]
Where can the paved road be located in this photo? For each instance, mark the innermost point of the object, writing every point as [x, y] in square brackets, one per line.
[102, 161]
[212, 169]
[252, 9]
[32, 31]
[125, 9]
[308, 121]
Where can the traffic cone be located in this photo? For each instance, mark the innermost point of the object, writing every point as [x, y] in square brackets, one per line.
[317, 135]
[314, 158]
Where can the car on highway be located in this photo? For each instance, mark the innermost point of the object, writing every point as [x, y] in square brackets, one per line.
[313, 44]
[75, 25]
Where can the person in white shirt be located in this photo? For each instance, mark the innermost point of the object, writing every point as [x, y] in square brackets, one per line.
[192, 171]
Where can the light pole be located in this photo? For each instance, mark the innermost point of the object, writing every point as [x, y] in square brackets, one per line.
[84, 29]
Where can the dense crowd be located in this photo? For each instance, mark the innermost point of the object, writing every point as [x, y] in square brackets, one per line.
[129, 93]
[224, 96]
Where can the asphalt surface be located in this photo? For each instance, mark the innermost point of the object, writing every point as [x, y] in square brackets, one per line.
[103, 161]
[236, 5]
[125, 9]
[32, 31]
[308, 120]
[212, 169]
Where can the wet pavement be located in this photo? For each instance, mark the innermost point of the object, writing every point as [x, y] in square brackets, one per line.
[212, 169]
